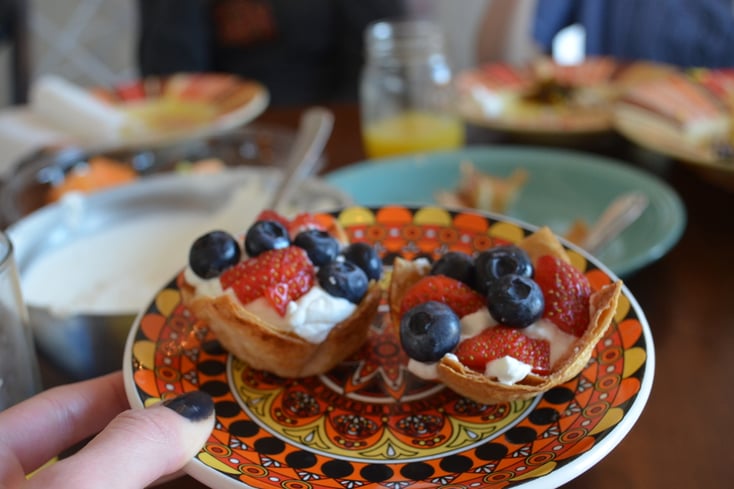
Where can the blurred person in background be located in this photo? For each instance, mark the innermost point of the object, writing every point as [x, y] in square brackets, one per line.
[303, 52]
[686, 33]
[504, 32]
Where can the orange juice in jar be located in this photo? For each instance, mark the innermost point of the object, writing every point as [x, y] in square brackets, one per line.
[406, 91]
[413, 131]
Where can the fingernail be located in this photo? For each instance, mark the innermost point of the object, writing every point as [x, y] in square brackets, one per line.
[194, 405]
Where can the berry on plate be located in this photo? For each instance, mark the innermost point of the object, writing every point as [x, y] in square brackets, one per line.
[429, 331]
[365, 257]
[440, 288]
[271, 215]
[320, 245]
[499, 261]
[303, 222]
[500, 341]
[281, 276]
[566, 292]
[515, 300]
[343, 279]
[266, 235]
[213, 253]
[456, 264]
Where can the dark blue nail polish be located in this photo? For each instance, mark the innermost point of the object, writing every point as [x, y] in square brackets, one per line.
[194, 405]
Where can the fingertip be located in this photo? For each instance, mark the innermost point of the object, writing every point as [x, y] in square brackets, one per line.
[196, 416]
[194, 406]
[158, 441]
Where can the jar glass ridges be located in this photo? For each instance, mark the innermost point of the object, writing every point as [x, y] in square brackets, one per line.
[407, 98]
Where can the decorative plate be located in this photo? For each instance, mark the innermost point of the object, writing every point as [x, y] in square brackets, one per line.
[187, 105]
[369, 422]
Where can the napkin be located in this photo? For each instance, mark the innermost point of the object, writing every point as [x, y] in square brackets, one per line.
[72, 109]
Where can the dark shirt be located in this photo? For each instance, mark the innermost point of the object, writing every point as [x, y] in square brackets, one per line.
[686, 33]
[304, 51]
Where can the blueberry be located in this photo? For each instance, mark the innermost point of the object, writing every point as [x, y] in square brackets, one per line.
[365, 257]
[213, 253]
[343, 279]
[429, 330]
[515, 300]
[457, 265]
[499, 261]
[264, 236]
[320, 246]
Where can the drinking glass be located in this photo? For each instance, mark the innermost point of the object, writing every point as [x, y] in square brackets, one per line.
[19, 374]
[407, 101]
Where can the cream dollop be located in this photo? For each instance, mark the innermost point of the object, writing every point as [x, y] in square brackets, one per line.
[476, 322]
[423, 370]
[312, 316]
[507, 370]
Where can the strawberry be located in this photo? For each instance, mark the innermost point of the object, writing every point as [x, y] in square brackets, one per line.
[501, 341]
[457, 295]
[280, 276]
[566, 292]
[270, 215]
[303, 222]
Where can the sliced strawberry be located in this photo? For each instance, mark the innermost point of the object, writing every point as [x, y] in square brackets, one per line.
[303, 222]
[280, 294]
[270, 215]
[566, 292]
[277, 295]
[280, 276]
[457, 295]
[501, 341]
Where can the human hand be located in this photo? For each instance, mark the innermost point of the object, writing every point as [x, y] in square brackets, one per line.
[132, 447]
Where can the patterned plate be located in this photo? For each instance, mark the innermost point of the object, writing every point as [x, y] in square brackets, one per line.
[369, 422]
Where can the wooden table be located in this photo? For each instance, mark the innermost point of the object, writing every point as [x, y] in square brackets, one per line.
[682, 437]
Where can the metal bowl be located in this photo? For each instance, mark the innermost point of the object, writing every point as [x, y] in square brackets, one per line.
[28, 185]
[85, 343]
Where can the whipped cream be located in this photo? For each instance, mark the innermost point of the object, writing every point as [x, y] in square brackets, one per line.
[507, 370]
[426, 371]
[560, 341]
[476, 322]
[312, 316]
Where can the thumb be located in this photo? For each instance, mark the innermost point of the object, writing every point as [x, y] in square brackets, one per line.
[138, 447]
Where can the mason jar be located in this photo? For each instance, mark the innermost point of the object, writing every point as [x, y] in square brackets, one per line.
[407, 101]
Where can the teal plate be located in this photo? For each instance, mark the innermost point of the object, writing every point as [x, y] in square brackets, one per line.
[562, 186]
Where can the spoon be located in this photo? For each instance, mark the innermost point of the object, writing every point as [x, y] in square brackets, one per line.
[313, 133]
[623, 211]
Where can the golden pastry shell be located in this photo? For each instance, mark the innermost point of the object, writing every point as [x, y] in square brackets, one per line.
[480, 388]
[263, 346]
